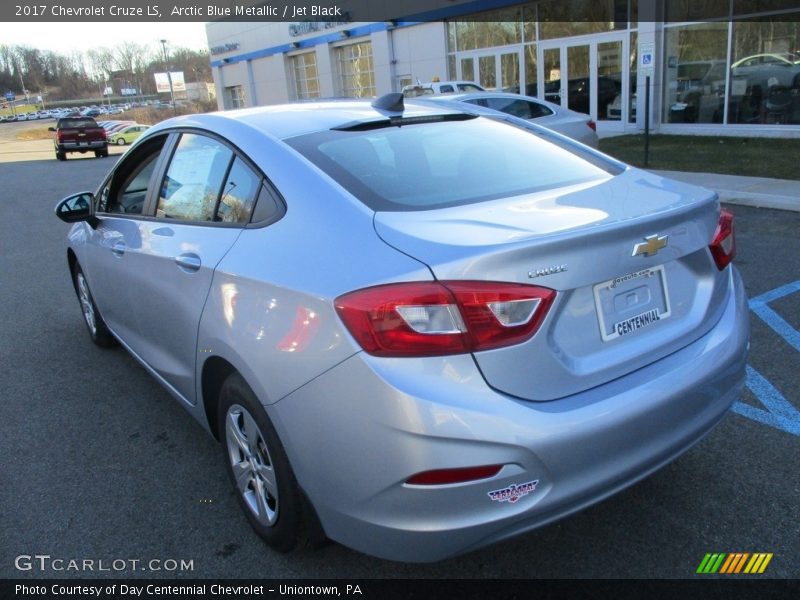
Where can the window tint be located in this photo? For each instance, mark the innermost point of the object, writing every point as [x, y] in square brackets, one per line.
[238, 194]
[422, 166]
[191, 188]
[469, 87]
[446, 89]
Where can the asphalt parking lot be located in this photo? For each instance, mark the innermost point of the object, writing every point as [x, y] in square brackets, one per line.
[100, 463]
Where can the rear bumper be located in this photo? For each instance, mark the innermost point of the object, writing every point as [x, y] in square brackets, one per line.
[82, 146]
[357, 433]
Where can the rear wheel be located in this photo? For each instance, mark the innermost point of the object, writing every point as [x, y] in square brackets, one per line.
[101, 153]
[259, 469]
[91, 316]
[61, 155]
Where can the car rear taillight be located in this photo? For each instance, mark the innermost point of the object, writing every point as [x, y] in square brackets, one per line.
[592, 125]
[723, 244]
[447, 317]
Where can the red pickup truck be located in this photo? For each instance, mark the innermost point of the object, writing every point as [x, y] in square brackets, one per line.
[79, 134]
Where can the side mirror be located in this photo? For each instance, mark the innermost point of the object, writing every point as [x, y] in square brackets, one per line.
[77, 207]
[51, 129]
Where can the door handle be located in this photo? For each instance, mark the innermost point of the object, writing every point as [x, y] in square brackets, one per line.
[188, 262]
[118, 248]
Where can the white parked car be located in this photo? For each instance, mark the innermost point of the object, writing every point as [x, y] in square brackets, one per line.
[441, 87]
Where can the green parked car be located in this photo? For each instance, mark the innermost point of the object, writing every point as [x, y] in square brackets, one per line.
[127, 135]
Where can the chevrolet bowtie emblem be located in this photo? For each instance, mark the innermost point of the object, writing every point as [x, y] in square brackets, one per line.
[651, 245]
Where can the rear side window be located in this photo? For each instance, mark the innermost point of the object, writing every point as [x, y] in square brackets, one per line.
[523, 109]
[432, 165]
[192, 185]
[238, 194]
[76, 123]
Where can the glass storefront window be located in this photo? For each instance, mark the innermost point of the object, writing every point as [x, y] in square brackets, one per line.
[694, 73]
[530, 70]
[356, 75]
[634, 52]
[765, 72]
[473, 35]
[529, 19]
[696, 10]
[567, 18]
[609, 80]
[306, 80]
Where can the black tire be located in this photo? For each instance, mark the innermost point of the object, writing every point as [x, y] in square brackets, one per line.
[120, 141]
[61, 155]
[98, 331]
[280, 515]
[101, 153]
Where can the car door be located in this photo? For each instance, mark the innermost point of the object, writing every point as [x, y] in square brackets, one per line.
[203, 201]
[116, 234]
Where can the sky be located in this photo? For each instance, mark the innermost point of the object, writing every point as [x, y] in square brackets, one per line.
[50, 36]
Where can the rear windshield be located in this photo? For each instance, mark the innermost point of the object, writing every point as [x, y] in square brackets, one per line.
[76, 123]
[433, 165]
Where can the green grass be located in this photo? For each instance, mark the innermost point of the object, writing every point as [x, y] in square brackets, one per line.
[21, 109]
[756, 157]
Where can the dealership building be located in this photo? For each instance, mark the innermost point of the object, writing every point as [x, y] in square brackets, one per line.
[714, 66]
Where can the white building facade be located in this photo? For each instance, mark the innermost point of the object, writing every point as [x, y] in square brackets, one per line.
[725, 67]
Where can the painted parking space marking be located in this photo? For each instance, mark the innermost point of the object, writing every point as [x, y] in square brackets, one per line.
[779, 413]
[760, 306]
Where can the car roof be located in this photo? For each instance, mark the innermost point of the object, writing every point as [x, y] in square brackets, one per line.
[290, 120]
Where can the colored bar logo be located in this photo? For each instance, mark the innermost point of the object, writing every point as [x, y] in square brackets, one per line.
[734, 563]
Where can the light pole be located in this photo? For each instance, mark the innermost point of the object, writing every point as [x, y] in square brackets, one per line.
[169, 78]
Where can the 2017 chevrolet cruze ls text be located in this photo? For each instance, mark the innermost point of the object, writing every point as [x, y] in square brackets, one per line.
[415, 329]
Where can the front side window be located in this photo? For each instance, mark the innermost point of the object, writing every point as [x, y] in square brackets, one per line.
[126, 191]
[191, 188]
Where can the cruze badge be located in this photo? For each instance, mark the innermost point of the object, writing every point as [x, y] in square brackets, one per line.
[651, 245]
[547, 271]
[513, 492]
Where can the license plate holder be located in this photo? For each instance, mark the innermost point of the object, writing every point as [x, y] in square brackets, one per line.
[631, 302]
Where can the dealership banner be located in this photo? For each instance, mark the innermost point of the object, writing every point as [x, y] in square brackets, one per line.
[349, 11]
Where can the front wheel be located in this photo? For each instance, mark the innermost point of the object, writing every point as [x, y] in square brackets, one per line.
[91, 316]
[120, 142]
[260, 471]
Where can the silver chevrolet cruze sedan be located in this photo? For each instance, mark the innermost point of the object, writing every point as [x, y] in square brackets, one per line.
[415, 329]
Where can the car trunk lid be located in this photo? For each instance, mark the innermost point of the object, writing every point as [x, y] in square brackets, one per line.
[627, 255]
